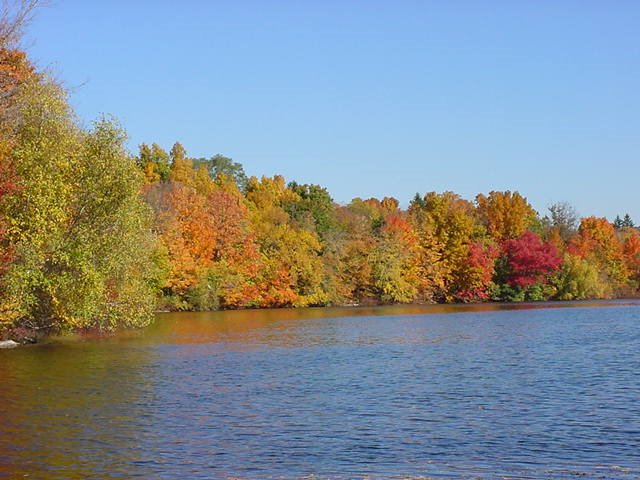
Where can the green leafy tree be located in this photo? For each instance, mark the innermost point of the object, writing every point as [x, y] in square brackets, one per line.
[313, 207]
[84, 248]
[597, 242]
[579, 279]
[394, 261]
[221, 165]
[154, 161]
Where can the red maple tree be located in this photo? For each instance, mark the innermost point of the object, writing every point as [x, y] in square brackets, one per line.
[530, 259]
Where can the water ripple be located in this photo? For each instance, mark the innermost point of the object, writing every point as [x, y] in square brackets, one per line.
[517, 394]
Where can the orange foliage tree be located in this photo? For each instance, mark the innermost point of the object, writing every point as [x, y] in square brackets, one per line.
[506, 215]
[477, 272]
[448, 227]
[15, 69]
[276, 244]
[291, 262]
[596, 241]
[213, 260]
[631, 254]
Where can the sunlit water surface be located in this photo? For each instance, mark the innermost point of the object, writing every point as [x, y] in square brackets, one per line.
[438, 392]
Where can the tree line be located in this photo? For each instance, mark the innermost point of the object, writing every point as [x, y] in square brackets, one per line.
[94, 237]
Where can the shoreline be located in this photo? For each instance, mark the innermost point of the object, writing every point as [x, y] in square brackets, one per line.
[34, 338]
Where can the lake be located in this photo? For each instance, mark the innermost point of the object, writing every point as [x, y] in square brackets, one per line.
[481, 392]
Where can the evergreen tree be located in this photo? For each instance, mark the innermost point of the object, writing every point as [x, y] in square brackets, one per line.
[618, 223]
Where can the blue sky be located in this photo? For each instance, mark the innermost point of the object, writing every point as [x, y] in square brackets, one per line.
[371, 98]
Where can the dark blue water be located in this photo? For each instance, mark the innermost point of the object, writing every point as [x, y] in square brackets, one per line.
[533, 393]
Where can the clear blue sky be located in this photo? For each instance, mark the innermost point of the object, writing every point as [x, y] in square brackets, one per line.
[372, 98]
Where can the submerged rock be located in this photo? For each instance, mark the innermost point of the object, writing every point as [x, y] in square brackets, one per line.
[8, 344]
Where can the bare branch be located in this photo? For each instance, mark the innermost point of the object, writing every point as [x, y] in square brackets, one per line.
[14, 16]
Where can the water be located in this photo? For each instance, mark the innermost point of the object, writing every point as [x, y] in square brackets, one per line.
[481, 392]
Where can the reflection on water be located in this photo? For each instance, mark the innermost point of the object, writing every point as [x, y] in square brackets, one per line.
[485, 391]
[69, 411]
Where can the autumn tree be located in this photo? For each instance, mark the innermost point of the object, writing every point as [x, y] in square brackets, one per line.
[394, 261]
[530, 260]
[578, 279]
[236, 257]
[476, 273]
[81, 233]
[15, 70]
[350, 247]
[448, 226]
[291, 262]
[377, 252]
[506, 215]
[181, 166]
[313, 209]
[596, 242]
[213, 259]
[631, 255]
[202, 182]
[8, 186]
[154, 162]
[186, 228]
